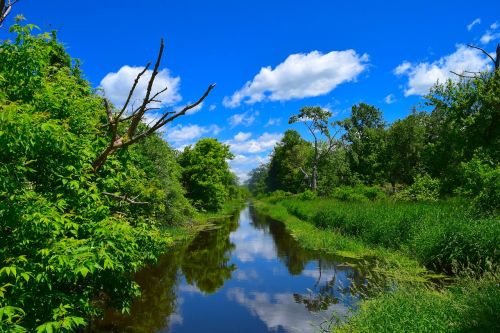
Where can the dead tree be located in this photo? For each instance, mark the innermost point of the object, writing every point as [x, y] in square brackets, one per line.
[5, 8]
[316, 120]
[496, 62]
[123, 126]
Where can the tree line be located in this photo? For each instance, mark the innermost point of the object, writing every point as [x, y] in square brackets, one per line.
[453, 143]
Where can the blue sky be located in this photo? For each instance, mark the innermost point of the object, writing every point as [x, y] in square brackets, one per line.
[270, 58]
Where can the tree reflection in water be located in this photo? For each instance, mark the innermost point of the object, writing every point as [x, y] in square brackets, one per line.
[327, 290]
[204, 263]
[277, 285]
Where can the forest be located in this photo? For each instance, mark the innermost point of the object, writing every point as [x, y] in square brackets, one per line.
[91, 195]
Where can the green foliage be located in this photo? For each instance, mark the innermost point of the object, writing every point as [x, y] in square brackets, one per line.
[424, 188]
[307, 195]
[278, 195]
[481, 183]
[365, 135]
[406, 140]
[358, 193]
[206, 175]
[464, 119]
[257, 181]
[67, 250]
[290, 155]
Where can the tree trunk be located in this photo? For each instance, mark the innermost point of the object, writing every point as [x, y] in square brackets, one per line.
[314, 180]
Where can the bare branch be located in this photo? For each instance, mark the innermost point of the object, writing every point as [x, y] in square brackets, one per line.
[5, 9]
[131, 92]
[463, 76]
[125, 198]
[128, 136]
[146, 101]
[185, 109]
[482, 50]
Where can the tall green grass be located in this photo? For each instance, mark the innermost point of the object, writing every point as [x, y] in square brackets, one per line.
[443, 236]
[471, 305]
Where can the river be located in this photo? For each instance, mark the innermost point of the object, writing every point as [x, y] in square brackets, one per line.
[247, 275]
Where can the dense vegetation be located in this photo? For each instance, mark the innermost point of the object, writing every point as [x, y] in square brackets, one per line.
[424, 188]
[453, 148]
[73, 235]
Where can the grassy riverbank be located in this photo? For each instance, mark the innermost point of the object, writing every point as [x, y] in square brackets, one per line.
[405, 238]
[393, 263]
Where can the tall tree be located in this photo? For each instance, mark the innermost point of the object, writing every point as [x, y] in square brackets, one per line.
[289, 157]
[206, 175]
[364, 133]
[317, 121]
[406, 140]
[257, 182]
[464, 120]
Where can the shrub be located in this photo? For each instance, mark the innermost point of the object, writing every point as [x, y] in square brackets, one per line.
[482, 184]
[358, 193]
[424, 188]
[278, 195]
[307, 195]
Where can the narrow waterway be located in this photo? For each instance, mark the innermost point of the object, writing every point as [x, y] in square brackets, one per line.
[247, 275]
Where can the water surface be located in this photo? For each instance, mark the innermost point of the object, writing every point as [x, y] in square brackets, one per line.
[248, 275]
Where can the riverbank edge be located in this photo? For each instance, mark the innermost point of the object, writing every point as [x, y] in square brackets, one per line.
[471, 303]
[390, 263]
[201, 221]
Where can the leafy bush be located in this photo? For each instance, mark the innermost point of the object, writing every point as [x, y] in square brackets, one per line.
[307, 195]
[358, 193]
[278, 195]
[481, 180]
[424, 188]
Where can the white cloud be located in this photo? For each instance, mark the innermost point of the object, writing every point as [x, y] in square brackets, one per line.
[241, 136]
[182, 135]
[246, 118]
[212, 107]
[473, 23]
[263, 143]
[300, 75]
[117, 86]
[422, 76]
[389, 99]
[489, 36]
[403, 68]
[281, 312]
[250, 153]
[272, 122]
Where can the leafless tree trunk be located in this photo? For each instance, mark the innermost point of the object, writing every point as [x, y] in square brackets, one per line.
[319, 153]
[120, 137]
